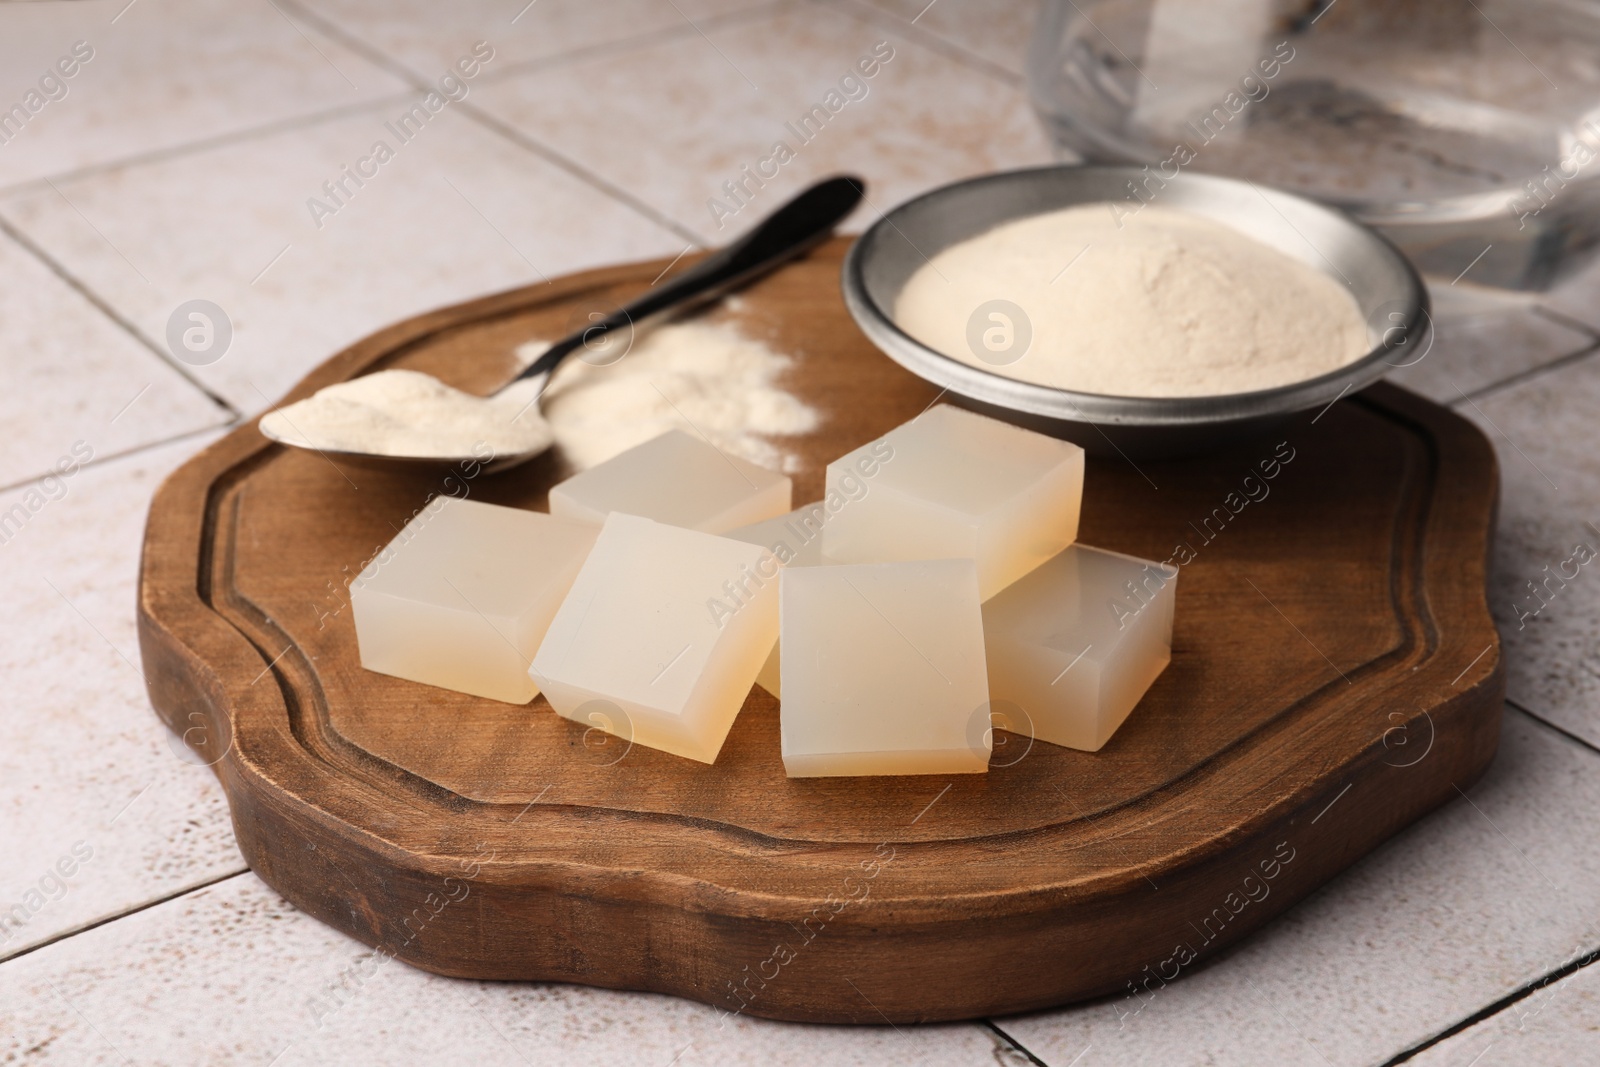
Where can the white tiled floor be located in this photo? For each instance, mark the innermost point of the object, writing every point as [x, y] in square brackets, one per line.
[924, 119]
[1555, 1023]
[166, 73]
[992, 34]
[79, 761]
[1478, 345]
[179, 166]
[1452, 914]
[71, 376]
[458, 212]
[428, 38]
[145, 988]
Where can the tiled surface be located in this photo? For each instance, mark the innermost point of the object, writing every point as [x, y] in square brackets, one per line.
[82, 758]
[1555, 1023]
[1550, 496]
[995, 34]
[1579, 297]
[428, 38]
[451, 216]
[71, 377]
[1476, 345]
[1452, 914]
[925, 119]
[267, 984]
[179, 166]
[165, 73]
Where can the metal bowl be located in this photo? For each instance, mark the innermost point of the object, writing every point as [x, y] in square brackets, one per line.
[1388, 291]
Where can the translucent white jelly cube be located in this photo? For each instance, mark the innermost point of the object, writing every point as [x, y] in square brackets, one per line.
[462, 596]
[676, 479]
[883, 670]
[951, 483]
[1075, 643]
[662, 635]
[796, 539]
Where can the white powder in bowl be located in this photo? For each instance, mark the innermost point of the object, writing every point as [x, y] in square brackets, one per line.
[406, 413]
[1169, 304]
[706, 378]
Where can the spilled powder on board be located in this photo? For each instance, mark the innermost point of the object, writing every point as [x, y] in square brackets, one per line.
[708, 379]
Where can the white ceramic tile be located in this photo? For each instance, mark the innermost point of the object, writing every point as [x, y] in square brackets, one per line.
[1477, 344]
[925, 119]
[165, 73]
[234, 975]
[429, 37]
[72, 377]
[457, 212]
[993, 30]
[1578, 297]
[1556, 1024]
[1543, 431]
[83, 757]
[1473, 902]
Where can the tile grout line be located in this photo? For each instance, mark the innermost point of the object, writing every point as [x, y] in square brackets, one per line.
[1495, 1007]
[1523, 376]
[177, 151]
[622, 45]
[495, 125]
[1527, 989]
[927, 39]
[1590, 746]
[9, 228]
[1561, 318]
[1013, 1042]
[106, 920]
[582, 173]
[134, 450]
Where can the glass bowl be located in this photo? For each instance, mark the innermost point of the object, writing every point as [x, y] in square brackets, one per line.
[1466, 131]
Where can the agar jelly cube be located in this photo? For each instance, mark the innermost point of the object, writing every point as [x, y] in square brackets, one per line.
[951, 483]
[883, 669]
[462, 596]
[662, 635]
[676, 479]
[1076, 642]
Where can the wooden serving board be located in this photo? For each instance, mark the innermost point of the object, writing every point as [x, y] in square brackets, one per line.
[1335, 675]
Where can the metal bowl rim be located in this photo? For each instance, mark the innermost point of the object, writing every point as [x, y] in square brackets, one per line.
[996, 388]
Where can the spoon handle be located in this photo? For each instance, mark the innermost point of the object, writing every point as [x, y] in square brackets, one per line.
[791, 230]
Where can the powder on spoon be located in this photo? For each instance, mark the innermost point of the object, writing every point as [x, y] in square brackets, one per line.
[706, 378]
[1167, 304]
[406, 413]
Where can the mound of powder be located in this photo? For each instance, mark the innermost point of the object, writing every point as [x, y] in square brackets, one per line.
[1167, 304]
[405, 413]
[706, 378]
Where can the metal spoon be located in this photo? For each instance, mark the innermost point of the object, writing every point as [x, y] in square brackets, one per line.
[791, 230]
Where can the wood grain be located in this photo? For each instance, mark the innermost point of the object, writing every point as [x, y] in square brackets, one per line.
[1335, 675]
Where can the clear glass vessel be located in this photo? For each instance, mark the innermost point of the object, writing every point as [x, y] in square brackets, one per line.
[1467, 131]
